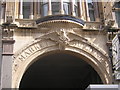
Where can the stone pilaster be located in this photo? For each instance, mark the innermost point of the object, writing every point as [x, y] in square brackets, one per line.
[38, 9]
[7, 56]
[0, 52]
[3, 12]
[97, 18]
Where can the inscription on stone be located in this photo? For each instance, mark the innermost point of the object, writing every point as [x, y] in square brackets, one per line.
[34, 48]
[29, 52]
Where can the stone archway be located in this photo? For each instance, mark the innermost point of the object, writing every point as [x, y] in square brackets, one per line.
[59, 69]
[65, 41]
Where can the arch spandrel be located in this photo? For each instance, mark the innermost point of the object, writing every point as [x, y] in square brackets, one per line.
[61, 41]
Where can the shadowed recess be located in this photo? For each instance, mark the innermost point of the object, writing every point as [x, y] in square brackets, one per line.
[59, 70]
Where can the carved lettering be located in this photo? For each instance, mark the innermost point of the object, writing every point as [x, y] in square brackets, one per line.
[37, 47]
[27, 53]
[21, 58]
[31, 49]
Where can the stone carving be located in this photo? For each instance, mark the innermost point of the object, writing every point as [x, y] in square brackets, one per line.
[97, 25]
[27, 24]
[61, 38]
[8, 33]
[94, 52]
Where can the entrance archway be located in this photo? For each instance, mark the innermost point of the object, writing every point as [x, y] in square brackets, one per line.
[59, 70]
[53, 42]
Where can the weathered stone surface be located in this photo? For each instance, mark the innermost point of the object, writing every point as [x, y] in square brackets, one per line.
[61, 40]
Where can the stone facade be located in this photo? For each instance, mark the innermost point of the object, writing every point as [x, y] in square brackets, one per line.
[23, 40]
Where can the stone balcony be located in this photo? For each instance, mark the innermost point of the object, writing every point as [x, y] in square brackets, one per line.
[51, 20]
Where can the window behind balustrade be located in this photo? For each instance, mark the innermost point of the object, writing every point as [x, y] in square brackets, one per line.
[91, 10]
[117, 13]
[66, 8]
[44, 8]
[55, 8]
[26, 10]
[76, 8]
[0, 10]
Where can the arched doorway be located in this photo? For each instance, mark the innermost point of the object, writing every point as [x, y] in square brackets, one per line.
[59, 70]
[48, 44]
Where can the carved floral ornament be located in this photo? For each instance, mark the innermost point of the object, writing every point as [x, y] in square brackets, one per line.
[61, 38]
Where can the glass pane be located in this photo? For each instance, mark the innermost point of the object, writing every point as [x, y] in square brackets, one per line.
[92, 16]
[66, 0]
[117, 4]
[0, 10]
[90, 4]
[117, 15]
[66, 7]
[76, 10]
[45, 9]
[76, 1]
[26, 9]
[44, 1]
[55, 8]
[89, 1]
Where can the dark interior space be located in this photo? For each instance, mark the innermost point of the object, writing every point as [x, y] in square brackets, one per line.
[60, 70]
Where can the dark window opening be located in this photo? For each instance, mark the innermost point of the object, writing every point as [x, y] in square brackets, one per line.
[55, 8]
[26, 10]
[91, 10]
[44, 9]
[67, 8]
[117, 13]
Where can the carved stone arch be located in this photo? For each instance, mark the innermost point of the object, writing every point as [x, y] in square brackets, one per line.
[69, 43]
